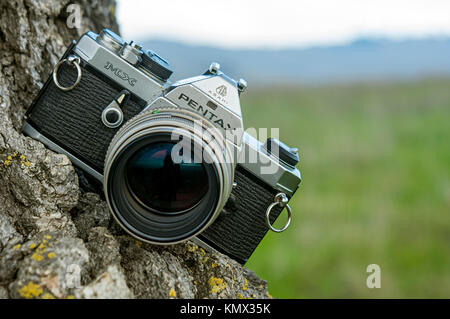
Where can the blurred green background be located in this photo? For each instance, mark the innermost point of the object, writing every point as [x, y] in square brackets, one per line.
[375, 162]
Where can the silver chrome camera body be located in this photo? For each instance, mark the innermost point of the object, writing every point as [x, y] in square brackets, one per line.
[110, 107]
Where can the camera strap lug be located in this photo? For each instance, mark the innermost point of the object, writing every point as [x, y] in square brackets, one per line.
[281, 200]
[74, 61]
[112, 115]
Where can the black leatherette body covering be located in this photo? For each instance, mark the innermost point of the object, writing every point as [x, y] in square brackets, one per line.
[72, 119]
[241, 224]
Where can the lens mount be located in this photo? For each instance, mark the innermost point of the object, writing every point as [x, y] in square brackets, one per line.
[151, 216]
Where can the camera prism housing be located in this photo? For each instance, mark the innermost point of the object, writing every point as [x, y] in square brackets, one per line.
[111, 109]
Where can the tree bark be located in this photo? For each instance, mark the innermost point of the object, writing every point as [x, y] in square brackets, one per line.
[55, 241]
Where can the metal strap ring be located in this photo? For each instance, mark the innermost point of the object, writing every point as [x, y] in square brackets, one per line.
[74, 61]
[280, 200]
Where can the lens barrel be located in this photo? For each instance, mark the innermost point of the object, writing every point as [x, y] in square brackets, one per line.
[168, 174]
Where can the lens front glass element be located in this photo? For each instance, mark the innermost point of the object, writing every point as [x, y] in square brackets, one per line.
[159, 183]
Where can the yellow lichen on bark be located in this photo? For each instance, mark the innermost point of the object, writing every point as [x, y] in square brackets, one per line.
[36, 256]
[244, 287]
[30, 291]
[216, 284]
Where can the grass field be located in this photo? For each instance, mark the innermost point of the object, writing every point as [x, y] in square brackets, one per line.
[375, 161]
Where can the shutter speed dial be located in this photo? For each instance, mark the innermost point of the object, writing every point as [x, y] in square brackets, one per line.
[156, 65]
[136, 55]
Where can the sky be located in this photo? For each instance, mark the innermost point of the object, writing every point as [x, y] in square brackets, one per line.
[281, 23]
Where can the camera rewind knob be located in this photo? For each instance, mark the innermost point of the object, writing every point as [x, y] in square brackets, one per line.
[285, 153]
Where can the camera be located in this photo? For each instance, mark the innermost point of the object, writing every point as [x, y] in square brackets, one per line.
[173, 159]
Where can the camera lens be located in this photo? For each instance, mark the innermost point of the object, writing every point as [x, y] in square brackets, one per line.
[158, 191]
[162, 185]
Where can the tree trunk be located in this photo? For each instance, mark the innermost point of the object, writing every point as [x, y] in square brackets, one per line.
[55, 241]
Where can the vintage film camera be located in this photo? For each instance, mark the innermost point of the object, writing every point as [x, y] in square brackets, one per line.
[110, 108]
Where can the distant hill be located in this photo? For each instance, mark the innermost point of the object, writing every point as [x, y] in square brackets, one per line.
[361, 60]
